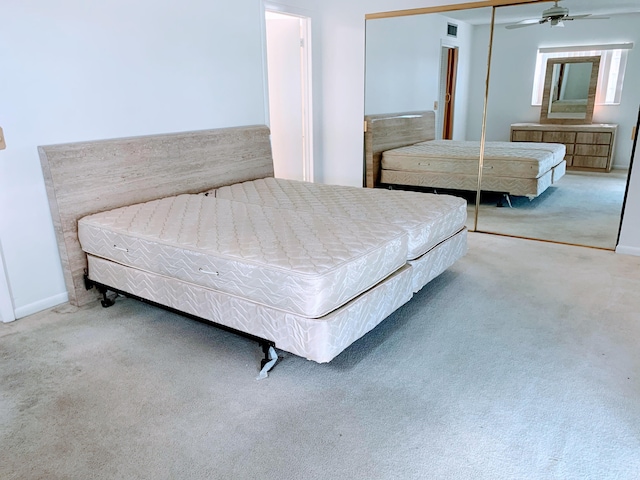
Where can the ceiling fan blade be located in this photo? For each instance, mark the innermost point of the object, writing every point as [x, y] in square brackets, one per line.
[576, 17]
[586, 17]
[525, 23]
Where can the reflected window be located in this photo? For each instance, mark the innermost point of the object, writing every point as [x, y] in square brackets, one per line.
[611, 76]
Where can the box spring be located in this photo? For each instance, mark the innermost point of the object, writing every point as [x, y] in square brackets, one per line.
[531, 187]
[319, 339]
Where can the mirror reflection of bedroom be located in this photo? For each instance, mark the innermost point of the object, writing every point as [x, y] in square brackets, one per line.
[558, 128]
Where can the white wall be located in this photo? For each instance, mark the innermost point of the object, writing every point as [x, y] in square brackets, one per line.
[630, 233]
[74, 70]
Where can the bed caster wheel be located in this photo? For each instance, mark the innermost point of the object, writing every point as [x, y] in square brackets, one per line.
[107, 302]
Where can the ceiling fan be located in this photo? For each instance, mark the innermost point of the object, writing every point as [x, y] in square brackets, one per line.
[555, 16]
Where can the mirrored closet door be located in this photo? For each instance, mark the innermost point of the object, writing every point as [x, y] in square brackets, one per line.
[536, 89]
[558, 83]
[421, 73]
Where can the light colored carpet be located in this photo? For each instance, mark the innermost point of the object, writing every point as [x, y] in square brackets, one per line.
[520, 362]
[583, 208]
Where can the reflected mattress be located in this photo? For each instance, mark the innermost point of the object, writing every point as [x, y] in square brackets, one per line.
[428, 219]
[504, 159]
[292, 261]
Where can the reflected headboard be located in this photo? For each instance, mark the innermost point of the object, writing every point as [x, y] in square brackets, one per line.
[393, 130]
[90, 177]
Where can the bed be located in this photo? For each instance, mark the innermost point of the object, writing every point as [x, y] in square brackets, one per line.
[401, 149]
[196, 223]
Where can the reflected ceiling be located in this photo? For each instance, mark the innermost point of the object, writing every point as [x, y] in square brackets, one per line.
[576, 7]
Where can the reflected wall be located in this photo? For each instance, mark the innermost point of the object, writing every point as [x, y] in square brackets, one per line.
[406, 65]
[403, 65]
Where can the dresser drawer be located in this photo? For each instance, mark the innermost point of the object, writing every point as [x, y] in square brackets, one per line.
[592, 150]
[589, 162]
[603, 138]
[559, 137]
[526, 136]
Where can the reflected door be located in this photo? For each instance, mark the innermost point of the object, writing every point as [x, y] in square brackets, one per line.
[449, 92]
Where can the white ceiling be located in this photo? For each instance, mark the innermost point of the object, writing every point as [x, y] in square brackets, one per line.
[520, 12]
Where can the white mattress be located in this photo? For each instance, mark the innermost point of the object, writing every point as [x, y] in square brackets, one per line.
[506, 159]
[296, 262]
[428, 219]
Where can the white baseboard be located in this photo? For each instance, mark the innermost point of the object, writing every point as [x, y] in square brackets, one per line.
[40, 305]
[628, 250]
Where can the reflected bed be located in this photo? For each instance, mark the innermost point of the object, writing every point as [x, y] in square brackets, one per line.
[400, 149]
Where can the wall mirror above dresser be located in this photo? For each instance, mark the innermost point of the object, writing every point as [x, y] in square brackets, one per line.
[569, 93]
[555, 179]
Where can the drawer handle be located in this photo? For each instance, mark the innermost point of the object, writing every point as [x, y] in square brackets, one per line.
[208, 272]
[122, 249]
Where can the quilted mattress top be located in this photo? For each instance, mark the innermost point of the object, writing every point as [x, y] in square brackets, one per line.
[294, 261]
[505, 159]
[427, 218]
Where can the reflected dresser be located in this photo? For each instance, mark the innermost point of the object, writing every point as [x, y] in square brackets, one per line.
[589, 147]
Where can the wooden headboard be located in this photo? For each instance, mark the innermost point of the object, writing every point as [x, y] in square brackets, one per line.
[90, 177]
[393, 130]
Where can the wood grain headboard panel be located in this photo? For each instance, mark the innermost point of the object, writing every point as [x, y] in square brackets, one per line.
[393, 130]
[90, 177]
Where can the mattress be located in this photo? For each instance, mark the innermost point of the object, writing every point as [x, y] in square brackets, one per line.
[427, 219]
[506, 159]
[317, 339]
[296, 262]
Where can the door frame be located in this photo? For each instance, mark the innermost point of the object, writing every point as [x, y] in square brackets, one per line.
[306, 80]
[7, 311]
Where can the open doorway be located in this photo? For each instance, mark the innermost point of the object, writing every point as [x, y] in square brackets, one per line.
[289, 85]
